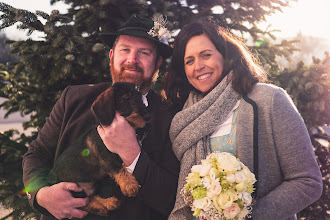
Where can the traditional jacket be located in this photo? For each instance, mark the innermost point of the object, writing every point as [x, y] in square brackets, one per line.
[156, 169]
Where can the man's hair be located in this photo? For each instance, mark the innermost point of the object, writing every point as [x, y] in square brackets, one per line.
[246, 69]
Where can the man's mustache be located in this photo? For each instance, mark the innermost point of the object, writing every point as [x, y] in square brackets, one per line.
[134, 67]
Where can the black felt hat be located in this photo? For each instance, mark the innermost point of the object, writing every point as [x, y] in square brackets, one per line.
[139, 27]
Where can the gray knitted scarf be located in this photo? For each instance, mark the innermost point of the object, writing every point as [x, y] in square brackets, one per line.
[191, 129]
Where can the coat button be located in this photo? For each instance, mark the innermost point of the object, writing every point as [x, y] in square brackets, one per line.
[28, 195]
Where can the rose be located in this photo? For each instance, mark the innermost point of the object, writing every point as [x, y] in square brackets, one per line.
[226, 199]
[231, 211]
[228, 162]
[215, 189]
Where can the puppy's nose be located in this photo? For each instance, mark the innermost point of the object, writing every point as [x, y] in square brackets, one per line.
[147, 117]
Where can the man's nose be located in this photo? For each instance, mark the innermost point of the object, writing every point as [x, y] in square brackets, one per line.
[132, 57]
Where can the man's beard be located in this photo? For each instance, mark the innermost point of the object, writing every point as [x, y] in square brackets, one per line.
[136, 78]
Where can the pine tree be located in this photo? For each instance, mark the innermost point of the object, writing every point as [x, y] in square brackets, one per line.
[71, 53]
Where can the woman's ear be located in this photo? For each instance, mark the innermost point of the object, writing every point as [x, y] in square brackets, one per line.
[159, 61]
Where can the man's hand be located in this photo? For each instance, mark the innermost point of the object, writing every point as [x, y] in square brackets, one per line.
[120, 138]
[58, 200]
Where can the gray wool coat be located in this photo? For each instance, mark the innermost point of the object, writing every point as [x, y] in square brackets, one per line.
[289, 176]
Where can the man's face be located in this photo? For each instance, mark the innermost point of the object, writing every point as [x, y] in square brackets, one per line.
[134, 60]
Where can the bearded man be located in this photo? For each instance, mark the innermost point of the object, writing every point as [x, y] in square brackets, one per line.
[138, 50]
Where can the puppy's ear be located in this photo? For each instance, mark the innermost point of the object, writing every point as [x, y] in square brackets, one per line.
[104, 107]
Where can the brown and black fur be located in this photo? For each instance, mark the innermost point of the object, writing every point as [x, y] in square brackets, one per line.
[88, 161]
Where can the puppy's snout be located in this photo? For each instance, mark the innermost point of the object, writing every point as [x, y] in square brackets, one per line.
[146, 116]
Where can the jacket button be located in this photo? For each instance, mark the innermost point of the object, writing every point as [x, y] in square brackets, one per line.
[28, 195]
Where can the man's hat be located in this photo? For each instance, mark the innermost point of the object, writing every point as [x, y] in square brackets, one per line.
[143, 27]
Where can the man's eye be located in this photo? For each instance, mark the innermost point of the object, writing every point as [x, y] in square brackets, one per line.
[145, 53]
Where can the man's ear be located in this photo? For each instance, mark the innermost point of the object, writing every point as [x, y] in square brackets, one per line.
[111, 54]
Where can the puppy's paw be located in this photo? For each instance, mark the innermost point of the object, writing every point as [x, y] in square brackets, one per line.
[129, 186]
[101, 206]
[130, 189]
[112, 203]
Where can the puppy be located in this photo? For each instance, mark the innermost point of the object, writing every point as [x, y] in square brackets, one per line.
[88, 161]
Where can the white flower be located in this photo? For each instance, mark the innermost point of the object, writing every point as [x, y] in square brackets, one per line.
[226, 199]
[204, 204]
[240, 177]
[241, 186]
[203, 169]
[231, 178]
[250, 177]
[219, 184]
[228, 162]
[214, 190]
[245, 197]
[159, 30]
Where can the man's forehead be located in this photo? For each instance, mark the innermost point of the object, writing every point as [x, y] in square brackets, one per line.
[128, 40]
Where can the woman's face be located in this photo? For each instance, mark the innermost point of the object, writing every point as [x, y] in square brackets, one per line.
[203, 63]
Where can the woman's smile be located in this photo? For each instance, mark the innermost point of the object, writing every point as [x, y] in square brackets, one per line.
[203, 63]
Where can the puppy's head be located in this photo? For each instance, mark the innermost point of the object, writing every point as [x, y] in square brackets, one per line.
[124, 98]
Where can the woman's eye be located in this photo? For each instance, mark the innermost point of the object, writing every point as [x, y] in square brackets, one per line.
[189, 62]
[207, 55]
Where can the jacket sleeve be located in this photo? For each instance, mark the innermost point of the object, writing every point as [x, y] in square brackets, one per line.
[158, 185]
[157, 169]
[38, 160]
[302, 180]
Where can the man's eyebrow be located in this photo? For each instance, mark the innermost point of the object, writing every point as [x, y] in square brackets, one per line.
[142, 48]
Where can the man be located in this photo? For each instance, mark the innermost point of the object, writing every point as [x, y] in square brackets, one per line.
[135, 57]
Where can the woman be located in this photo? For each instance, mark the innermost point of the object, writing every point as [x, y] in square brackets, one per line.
[225, 107]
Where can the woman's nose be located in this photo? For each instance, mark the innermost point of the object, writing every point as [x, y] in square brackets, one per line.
[199, 65]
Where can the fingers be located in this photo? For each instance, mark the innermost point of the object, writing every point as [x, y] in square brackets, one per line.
[72, 187]
[77, 213]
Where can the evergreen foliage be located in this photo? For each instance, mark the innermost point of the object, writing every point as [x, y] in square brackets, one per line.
[70, 52]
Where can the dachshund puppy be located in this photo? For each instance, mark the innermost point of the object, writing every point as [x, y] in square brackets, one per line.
[88, 161]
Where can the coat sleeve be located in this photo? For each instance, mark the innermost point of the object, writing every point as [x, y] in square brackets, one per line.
[158, 184]
[38, 160]
[302, 180]
[157, 169]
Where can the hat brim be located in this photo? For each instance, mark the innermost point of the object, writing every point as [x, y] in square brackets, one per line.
[108, 38]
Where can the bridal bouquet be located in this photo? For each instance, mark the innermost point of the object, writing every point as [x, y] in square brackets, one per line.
[219, 188]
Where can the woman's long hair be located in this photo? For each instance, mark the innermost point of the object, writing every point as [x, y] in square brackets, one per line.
[246, 70]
